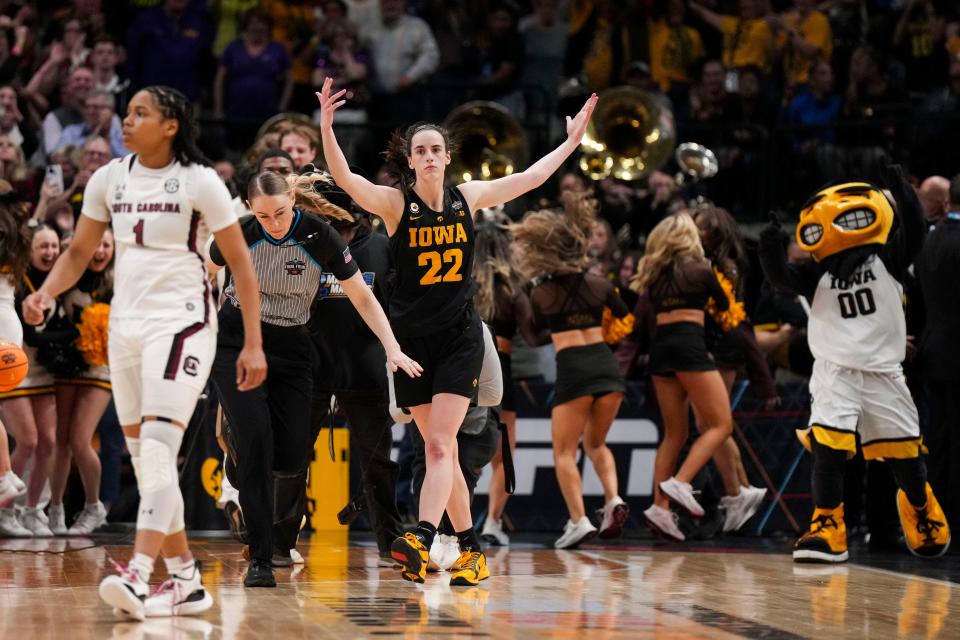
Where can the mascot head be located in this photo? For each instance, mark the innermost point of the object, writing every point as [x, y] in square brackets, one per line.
[844, 216]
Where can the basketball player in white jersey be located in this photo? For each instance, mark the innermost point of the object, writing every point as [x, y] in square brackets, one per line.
[857, 334]
[163, 202]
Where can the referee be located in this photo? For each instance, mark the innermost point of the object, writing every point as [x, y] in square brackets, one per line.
[291, 247]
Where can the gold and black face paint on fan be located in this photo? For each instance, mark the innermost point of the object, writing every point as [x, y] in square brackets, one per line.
[844, 216]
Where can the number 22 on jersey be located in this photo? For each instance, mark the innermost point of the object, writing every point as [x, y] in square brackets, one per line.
[434, 262]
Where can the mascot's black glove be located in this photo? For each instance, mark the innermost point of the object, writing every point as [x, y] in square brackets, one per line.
[773, 233]
[906, 203]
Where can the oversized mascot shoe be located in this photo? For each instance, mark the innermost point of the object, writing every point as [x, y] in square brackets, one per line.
[826, 541]
[925, 529]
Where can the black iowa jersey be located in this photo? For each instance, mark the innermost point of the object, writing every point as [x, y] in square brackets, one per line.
[432, 255]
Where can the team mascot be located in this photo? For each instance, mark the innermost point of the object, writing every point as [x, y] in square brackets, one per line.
[857, 334]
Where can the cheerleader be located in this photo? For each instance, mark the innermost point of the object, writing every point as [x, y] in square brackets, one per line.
[162, 203]
[82, 399]
[733, 351]
[14, 254]
[679, 282]
[570, 302]
[505, 306]
[30, 410]
[431, 311]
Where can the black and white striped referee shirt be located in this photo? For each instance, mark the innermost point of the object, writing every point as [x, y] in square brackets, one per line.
[289, 268]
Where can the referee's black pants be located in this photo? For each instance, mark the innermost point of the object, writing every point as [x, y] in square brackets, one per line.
[270, 428]
[943, 441]
[370, 444]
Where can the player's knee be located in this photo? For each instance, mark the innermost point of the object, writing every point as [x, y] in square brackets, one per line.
[161, 504]
[159, 445]
[437, 449]
[156, 465]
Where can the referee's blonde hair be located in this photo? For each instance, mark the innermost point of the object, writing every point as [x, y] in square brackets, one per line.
[303, 189]
[673, 242]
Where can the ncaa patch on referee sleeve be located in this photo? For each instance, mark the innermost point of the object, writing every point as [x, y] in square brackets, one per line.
[346, 255]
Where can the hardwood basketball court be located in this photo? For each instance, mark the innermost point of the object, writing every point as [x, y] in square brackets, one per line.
[643, 590]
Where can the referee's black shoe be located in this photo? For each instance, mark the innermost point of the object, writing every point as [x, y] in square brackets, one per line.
[259, 574]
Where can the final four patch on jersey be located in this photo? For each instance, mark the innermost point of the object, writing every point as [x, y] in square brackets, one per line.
[457, 205]
[346, 255]
[414, 207]
[295, 267]
[172, 185]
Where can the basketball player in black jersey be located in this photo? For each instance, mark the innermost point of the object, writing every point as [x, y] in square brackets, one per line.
[431, 309]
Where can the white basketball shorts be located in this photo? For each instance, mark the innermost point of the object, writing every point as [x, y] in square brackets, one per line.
[159, 367]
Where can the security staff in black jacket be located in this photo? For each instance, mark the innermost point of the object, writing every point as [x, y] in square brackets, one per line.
[936, 270]
[351, 365]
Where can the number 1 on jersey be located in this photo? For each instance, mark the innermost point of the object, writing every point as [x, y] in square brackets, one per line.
[138, 231]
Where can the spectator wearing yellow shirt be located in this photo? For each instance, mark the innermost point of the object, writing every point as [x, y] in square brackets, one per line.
[293, 22]
[803, 37]
[674, 47]
[599, 47]
[922, 44]
[227, 14]
[747, 39]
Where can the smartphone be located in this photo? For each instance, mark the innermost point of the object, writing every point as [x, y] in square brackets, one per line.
[55, 177]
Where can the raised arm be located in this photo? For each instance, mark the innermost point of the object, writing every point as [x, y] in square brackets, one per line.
[386, 202]
[773, 260]
[372, 313]
[905, 242]
[710, 17]
[481, 194]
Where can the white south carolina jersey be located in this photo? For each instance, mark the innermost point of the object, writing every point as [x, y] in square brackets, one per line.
[161, 221]
[859, 323]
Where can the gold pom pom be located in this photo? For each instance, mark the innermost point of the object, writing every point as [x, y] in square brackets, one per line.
[616, 329]
[92, 342]
[735, 313]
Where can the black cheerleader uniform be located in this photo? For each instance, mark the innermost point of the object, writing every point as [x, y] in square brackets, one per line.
[681, 346]
[270, 425]
[576, 302]
[431, 300]
[87, 292]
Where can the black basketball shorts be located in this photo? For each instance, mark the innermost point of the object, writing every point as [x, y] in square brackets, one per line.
[451, 359]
